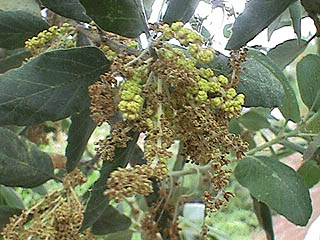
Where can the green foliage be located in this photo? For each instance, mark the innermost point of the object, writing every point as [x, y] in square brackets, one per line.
[256, 17]
[51, 87]
[52, 83]
[18, 26]
[277, 185]
[121, 16]
[22, 163]
[308, 72]
[77, 140]
[70, 9]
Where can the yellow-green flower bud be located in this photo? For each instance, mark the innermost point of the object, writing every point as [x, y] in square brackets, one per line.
[202, 96]
[133, 45]
[134, 107]
[204, 85]
[127, 95]
[138, 99]
[223, 80]
[123, 106]
[231, 93]
[217, 101]
[177, 26]
[205, 56]
[193, 50]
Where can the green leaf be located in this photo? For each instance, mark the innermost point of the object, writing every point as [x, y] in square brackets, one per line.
[98, 202]
[262, 69]
[227, 30]
[21, 163]
[256, 119]
[113, 219]
[260, 83]
[180, 11]
[308, 77]
[70, 9]
[18, 26]
[5, 213]
[313, 124]
[257, 15]
[50, 87]
[118, 16]
[80, 131]
[277, 185]
[285, 53]
[14, 60]
[30, 6]
[314, 145]
[296, 14]
[11, 197]
[264, 216]
[310, 171]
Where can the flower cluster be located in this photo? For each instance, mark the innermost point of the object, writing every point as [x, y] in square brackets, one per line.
[55, 37]
[58, 216]
[169, 98]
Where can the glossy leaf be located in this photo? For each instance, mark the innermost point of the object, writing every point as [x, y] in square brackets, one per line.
[14, 60]
[114, 221]
[98, 202]
[5, 213]
[21, 163]
[17, 26]
[70, 9]
[264, 216]
[118, 16]
[257, 15]
[281, 21]
[295, 10]
[50, 87]
[261, 86]
[11, 198]
[310, 171]
[308, 77]
[255, 119]
[180, 10]
[277, 185]
[80, 131]
[313, 124]
[30, 6]
[285, 53]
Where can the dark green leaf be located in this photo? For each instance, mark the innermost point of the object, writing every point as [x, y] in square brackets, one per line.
[264, 216]
[70, 9]
[118, 16]
[312, 148]
[21, 163]
[31, 6]
[80, 131]
[14, 60]
[308, 77]
[277, 185]
[5, 213]
[98, 202]
[12, 199]
[234, 127]
[17, 26]
[296, 15]
[260, 83]
[180, 10]
[310, 171]
[51, 87]
[256, 119]
[257, 15]
[285, 53]
[111, 221]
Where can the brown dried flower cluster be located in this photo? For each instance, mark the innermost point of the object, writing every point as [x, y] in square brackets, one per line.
[169, 98]
[58, 216]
